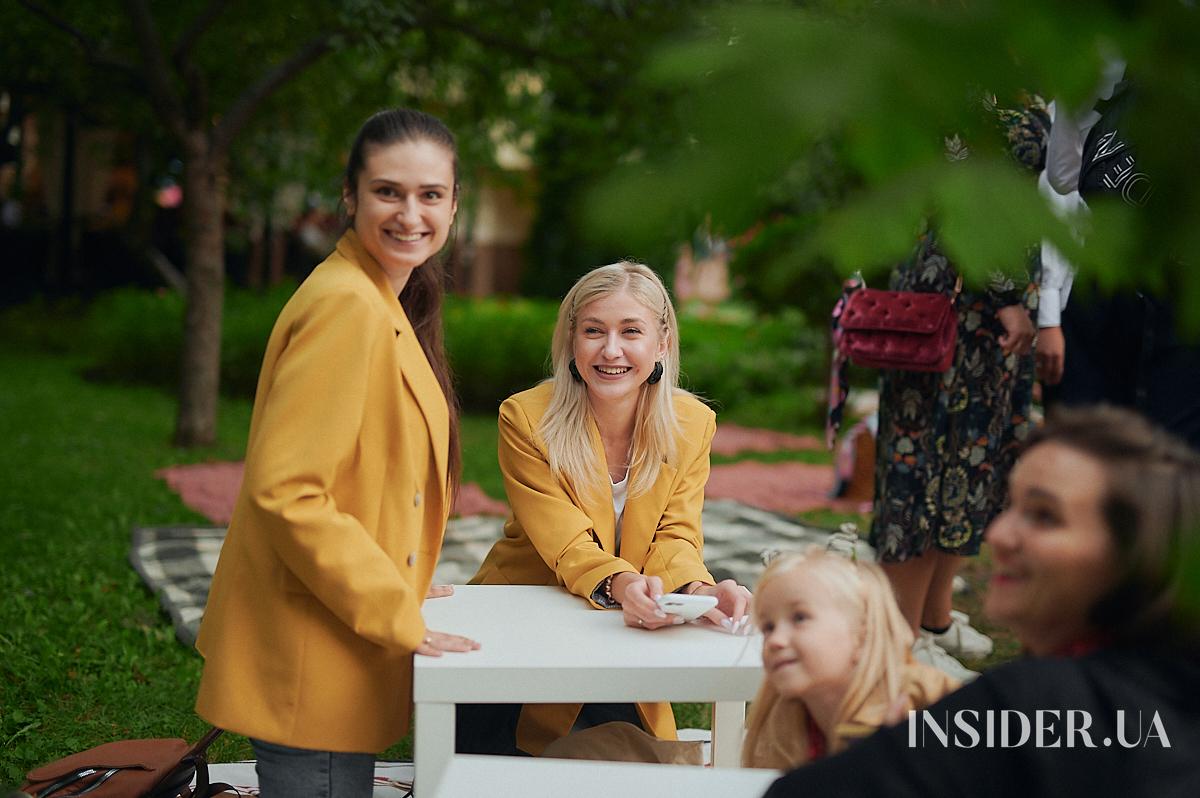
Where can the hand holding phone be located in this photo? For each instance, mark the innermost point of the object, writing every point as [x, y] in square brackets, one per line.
[686, 606]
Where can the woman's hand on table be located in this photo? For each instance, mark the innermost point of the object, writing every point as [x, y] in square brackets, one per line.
[437, 642]
[637, 594]
[732, 612]
[440, 591]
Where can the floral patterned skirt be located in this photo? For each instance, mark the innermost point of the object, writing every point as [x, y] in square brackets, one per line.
[947, 442]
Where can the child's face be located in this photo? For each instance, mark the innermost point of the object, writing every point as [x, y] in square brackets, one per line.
[811, 640]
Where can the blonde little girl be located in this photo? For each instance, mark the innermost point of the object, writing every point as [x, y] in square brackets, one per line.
[836, 652]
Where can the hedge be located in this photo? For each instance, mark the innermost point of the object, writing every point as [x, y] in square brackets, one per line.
[758, 368]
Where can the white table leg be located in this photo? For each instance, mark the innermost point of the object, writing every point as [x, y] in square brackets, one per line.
[433, 745]
[728, 727]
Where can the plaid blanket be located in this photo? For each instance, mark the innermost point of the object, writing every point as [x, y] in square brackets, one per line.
[177, 562]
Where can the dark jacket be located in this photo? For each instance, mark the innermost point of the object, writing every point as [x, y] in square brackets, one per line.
[1155, 754]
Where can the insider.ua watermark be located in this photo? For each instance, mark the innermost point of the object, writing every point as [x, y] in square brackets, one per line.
[1043, 728]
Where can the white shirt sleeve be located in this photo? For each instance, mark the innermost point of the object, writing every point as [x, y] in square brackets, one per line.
[1057, 272]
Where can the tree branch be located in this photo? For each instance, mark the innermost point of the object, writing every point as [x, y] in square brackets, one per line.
[181, 55]
[170, 275]
[197, 89]
[244, 106]
[498, 42]
[166, 101]
[90, 49]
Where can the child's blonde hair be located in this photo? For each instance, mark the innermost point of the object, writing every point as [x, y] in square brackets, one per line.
[885, 639]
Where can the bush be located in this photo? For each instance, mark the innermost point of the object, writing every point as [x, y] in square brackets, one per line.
[136, 337]
[760, 369]
[497, 347]
[739, 362]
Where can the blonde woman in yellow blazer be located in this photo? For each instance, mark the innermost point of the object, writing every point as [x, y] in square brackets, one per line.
[604, 466]
[315, 607]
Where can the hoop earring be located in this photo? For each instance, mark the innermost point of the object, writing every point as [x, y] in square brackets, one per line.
[655, 375]
[575, 375]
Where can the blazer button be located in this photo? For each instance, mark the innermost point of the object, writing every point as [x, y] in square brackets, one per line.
[412, 560]
[417, 499]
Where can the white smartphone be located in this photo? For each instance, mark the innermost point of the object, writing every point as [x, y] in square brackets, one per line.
[686, 606]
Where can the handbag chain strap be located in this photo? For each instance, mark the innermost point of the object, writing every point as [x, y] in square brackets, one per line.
[862, 283]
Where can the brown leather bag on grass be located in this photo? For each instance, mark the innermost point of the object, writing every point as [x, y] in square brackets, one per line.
[155, 768]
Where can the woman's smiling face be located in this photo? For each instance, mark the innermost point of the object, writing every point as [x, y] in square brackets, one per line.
[404, 205]
[617, 341]
[1053, 555]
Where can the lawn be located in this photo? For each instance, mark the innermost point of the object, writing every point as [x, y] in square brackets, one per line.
[85, 654]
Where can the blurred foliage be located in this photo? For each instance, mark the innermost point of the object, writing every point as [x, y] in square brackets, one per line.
[830, 122]
[592, 120]
[746, 365]
[497, 71]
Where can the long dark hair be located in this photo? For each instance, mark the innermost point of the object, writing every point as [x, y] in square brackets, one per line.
[1151, 505]
[422, 294]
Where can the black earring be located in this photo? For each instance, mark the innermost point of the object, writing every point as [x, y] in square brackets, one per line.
[655, 375]
[575, 375]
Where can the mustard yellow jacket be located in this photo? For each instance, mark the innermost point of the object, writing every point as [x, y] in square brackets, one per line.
[558, 535]
[315, 606]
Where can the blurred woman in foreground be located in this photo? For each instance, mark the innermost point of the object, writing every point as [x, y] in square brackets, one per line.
[1091, 563]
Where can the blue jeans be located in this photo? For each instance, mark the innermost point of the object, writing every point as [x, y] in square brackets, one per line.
[285, 772]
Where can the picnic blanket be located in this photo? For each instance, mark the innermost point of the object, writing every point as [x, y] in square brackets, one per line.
[177, 562]
[392, 779]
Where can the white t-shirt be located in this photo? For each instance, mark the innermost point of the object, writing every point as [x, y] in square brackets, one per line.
[620, 491]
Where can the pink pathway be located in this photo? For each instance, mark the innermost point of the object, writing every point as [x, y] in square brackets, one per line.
[211, 490]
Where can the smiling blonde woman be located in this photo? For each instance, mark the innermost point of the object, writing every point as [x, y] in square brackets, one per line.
[604, 465]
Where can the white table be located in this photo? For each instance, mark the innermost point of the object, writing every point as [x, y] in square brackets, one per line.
[544, 645]
[520, 777]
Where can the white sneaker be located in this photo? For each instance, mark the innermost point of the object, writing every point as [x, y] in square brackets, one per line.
[930, 653]
[961, 639]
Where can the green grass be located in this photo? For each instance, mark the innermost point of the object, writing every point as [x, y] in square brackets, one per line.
[479, 436]
[817, 457]
[86, 656]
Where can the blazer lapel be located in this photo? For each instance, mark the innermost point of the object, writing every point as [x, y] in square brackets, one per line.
[642, 514]
[418, 374]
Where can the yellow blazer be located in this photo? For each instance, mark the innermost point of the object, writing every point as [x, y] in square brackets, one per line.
[315, 606]
[557, 535]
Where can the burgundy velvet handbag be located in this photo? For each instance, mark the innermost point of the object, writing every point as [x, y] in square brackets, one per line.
[904, 330]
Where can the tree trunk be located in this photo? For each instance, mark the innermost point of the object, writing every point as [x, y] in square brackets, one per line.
[203, 205]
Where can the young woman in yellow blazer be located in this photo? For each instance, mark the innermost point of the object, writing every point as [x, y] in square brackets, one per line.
[315, 607]
[604, 466]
